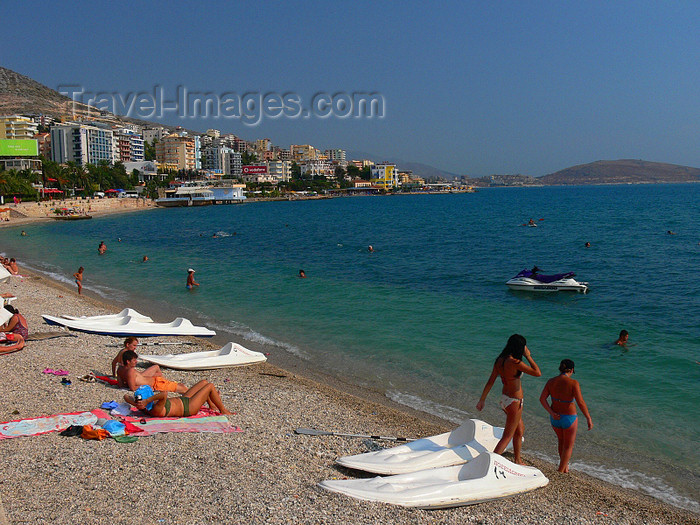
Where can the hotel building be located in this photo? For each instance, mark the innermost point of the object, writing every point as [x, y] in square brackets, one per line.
[81, 144]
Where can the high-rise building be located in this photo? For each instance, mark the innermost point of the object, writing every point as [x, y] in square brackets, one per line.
[81, 143]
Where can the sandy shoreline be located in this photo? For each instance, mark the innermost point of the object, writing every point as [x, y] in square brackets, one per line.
[266, 474]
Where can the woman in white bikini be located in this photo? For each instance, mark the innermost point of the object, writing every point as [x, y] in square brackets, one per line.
[510, 366]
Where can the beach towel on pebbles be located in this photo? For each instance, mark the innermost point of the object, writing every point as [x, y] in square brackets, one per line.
[204, 421]
[43, 425]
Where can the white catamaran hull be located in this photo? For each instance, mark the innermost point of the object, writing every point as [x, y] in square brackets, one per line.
[451, 448]
[126, 326]
[126, 312]
[232, 354]
[484, 478]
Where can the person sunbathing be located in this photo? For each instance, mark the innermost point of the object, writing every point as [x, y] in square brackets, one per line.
[17, 323]
[129, 377]
[17, 343]
[159, 405]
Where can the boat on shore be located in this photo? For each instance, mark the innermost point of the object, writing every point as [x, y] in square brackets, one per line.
[125, 326]
[460, 445]
[486, 477]
[231, 354]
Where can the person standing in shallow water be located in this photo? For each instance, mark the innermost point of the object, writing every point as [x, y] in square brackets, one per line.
[562, 412]
[79, 279]
[509, 366]
[191, 283]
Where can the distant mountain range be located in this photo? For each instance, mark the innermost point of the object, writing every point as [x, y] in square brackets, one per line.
[21, 94]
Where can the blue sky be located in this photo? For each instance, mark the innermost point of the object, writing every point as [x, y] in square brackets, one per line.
[473, 88]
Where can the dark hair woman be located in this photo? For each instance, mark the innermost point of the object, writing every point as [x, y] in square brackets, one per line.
[509, 366]
[562, 413]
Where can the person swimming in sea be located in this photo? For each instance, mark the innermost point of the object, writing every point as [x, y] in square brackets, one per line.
[302, 274]
[622, 340]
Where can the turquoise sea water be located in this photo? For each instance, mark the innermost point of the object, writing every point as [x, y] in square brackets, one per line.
[424, 316]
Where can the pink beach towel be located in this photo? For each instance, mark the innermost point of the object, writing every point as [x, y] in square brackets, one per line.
[204, 421]
[46, 424]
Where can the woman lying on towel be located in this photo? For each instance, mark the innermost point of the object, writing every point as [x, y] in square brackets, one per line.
[159, 405]
[16, 343]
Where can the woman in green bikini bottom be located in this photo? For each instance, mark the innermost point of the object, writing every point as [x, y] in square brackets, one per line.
[158, 404]
[564, 391]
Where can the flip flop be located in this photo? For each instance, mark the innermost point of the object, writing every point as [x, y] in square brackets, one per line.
[89, 378]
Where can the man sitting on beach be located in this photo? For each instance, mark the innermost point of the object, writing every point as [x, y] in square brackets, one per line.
[130, 343]
[129, 377]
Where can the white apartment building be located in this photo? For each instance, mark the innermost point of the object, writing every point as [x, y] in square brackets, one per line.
[81, 144]
[317, 167]
[280, 170]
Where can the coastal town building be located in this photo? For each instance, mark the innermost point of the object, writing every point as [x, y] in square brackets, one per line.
[20, 164]
[157, 133]
[17, 127]
[384, 175]
[337, 155]
[257, 173]
[280, 170]
[222, 159]
[147, 170]
[128, 145]
[282, 154]
[175, 152]
[317, 168]
[213, 133]
[44, 144]
[81, 143]
[303, 153]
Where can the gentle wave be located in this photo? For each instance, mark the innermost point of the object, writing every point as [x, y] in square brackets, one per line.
[622, 477]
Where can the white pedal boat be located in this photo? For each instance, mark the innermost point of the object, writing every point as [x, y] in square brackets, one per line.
[126, 326]
[560, 282]
[126, 312]
[232, 354]
[451, 448]
[484, 478]
[4, 274]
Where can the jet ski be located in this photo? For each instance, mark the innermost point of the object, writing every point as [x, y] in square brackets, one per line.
[528, 280]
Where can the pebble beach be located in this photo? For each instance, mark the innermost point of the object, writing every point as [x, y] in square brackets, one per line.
[264, 474]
